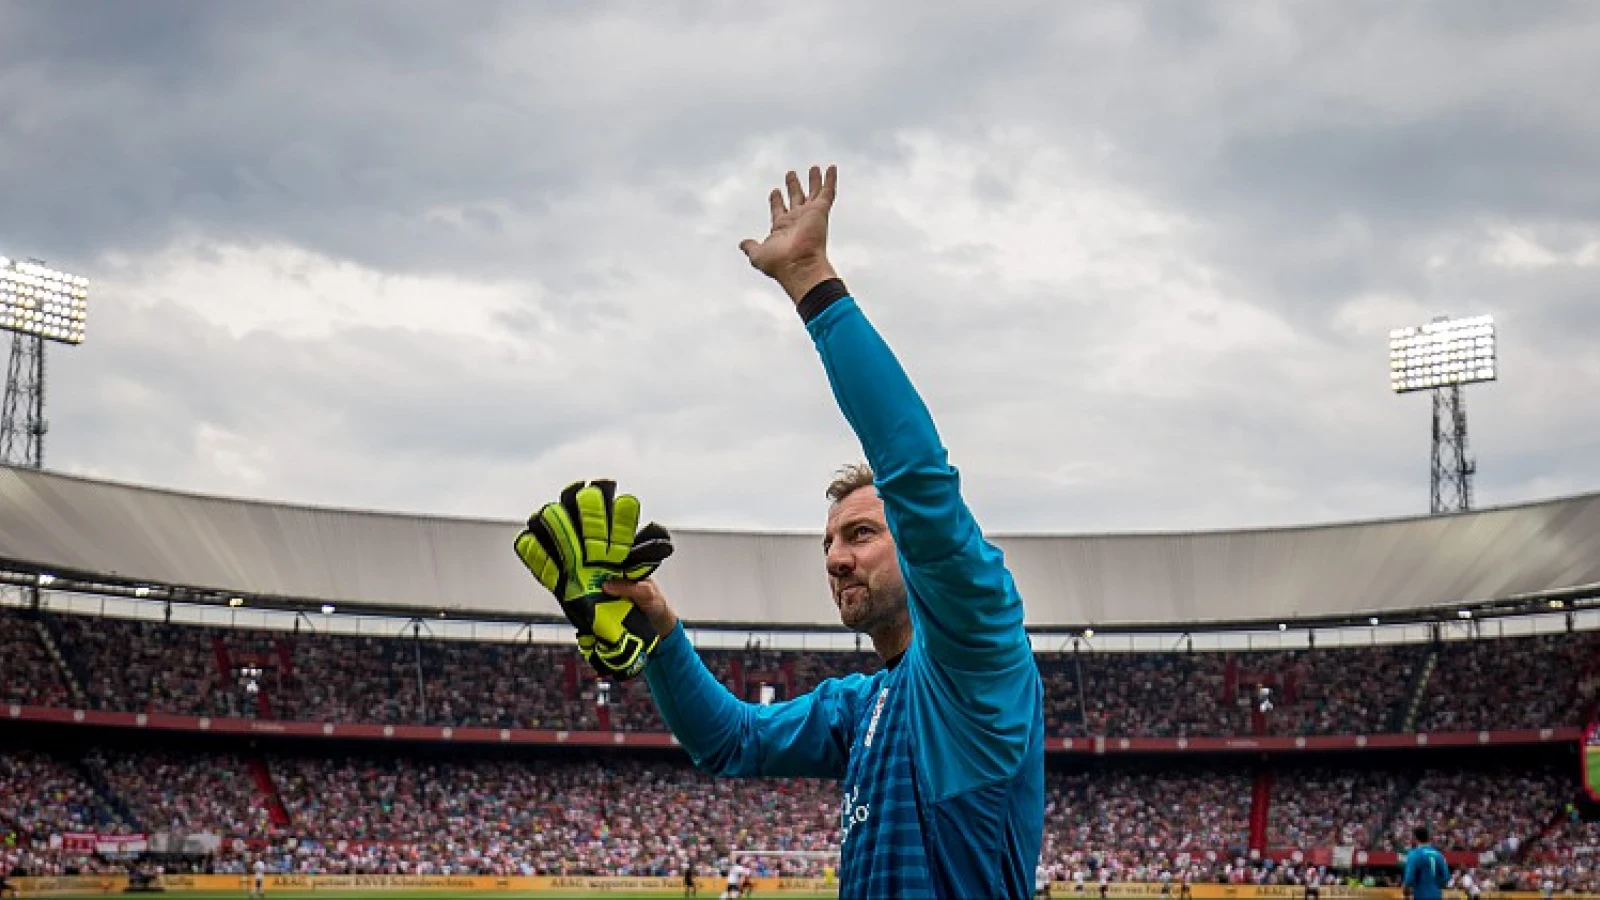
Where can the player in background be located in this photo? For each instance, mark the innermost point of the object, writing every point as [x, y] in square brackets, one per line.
[690, 887]
[1166, 882]
[258, 878]
[1184, 878]
[941, 752]
[1547, 889]
[1470, 886]
[735, 888]
[1105, 882]
[1426, 870]
[1078, 877]
[1041, 880]
[1313, 880]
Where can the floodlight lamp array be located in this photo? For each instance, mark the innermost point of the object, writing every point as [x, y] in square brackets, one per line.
[1442, 353]
[40, 301]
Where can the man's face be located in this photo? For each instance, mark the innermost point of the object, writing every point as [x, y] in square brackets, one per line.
[863, 568]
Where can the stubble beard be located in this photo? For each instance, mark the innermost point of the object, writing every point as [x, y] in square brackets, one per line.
[870, 608]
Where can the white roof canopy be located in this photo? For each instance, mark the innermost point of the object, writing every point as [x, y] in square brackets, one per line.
[140, 535]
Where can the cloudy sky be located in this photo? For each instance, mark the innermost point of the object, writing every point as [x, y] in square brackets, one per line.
[1142, 259]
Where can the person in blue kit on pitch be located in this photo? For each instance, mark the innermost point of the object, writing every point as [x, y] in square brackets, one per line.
[1427, 873]
[941, 753]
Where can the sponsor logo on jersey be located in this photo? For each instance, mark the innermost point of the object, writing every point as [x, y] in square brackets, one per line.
[877, 712]
[852, 813]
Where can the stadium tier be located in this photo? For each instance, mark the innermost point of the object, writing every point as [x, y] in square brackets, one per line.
[313, 806]
[120, 665]
[387, 813]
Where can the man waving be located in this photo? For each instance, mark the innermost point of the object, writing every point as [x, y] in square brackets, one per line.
[941, 753]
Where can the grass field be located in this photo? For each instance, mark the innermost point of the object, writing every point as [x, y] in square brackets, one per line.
[705, 893]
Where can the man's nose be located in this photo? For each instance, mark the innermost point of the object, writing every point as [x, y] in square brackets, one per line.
[840, 561]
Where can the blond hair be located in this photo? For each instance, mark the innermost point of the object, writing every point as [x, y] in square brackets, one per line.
[848, 480]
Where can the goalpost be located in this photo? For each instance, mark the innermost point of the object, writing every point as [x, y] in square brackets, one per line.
[819, 857]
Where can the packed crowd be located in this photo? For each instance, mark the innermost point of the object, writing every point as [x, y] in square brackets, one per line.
[1156, 695]
[41, 795]
[1328, 807]
[185, 793]
[1471, 690]
[1147, 811]
[436, 814]
[27, 674]
[623, 817]
[151, 667]
[1575, 845]
[137, 666]
[1475, 811]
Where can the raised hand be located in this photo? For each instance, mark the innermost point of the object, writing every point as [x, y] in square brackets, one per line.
[795, 251]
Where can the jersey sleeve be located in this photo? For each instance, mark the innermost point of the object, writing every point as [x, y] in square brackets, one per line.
[964, 604]
[807, 737]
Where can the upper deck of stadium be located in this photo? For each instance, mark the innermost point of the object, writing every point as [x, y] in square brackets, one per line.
[114, 536]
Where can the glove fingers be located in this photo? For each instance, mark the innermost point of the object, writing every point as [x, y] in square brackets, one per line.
[569, 495]
[541, 561]
[572, 545]
[651, 545]
[593, 504]
[563, 535]
[624, 522]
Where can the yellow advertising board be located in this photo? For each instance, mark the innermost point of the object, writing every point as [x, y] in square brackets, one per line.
[593, 886]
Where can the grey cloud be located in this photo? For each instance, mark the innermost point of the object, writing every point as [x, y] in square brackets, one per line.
[1315, 155]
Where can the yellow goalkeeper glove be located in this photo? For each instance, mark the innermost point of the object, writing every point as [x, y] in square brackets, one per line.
[577, 544]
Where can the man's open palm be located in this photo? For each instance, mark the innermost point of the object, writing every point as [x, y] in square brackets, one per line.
[795, 251]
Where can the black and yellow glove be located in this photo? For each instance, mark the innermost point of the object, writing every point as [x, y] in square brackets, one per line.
[573, 547]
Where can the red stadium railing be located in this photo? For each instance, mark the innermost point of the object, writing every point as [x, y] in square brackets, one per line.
[444, 734]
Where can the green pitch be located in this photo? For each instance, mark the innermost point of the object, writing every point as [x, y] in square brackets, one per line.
[1592, 766]
[402, 895]
[706, 891]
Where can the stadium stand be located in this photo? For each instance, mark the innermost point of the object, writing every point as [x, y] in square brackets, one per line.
[391, 813]
[1527, 682]
[1325, 807]
[27, 674]
[356, 810]
[136, 666]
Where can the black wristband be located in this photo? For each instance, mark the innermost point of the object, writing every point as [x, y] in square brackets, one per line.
[819, 298]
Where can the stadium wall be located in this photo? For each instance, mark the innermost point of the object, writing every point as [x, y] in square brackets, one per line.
[1098, 745]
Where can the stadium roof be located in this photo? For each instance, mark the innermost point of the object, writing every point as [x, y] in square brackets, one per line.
[112, 534]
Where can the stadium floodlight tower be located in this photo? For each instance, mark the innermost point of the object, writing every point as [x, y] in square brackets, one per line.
[1443, 356]
[37, 304]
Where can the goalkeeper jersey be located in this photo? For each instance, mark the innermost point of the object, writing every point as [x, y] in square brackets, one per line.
[1427, 873]
[941, 754]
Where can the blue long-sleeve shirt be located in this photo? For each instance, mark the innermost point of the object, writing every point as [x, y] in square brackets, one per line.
[942, 754]
[1427, 873]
